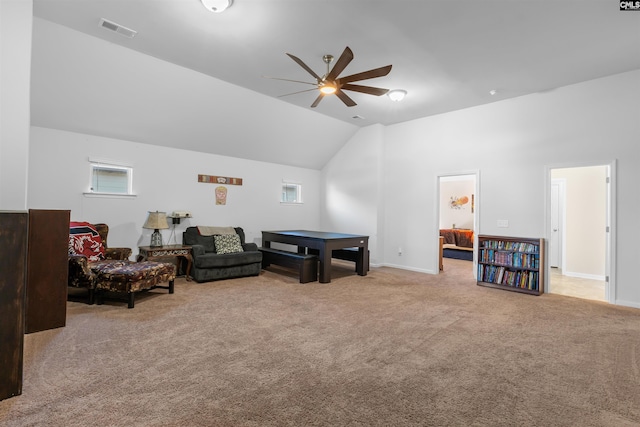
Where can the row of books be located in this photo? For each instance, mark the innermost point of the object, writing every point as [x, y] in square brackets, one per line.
[511, 246]
[515, 259]
[502, 276]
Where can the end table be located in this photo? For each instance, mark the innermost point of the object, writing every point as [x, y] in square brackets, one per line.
[152, 253]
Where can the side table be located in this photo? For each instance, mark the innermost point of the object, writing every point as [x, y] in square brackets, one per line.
[152, 253]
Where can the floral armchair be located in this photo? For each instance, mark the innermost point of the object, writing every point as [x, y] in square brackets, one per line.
[103, 270]
[81, 274]
[111, 253]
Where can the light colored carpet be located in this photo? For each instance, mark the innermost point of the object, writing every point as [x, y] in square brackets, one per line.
[394, 348]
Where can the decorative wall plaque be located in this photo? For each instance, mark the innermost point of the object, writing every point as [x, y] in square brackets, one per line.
[210, 179]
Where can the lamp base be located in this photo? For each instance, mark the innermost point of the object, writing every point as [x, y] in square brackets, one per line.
[156, 238]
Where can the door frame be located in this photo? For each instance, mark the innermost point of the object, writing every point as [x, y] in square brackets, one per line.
[476, 213]
[610, 250]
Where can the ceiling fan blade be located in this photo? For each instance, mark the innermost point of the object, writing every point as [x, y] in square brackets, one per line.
[293, 93]
[289, 80]
[341, 64]
[317, 101]
[305, 66]
[376, 72]
[365, 89]
[344, 98]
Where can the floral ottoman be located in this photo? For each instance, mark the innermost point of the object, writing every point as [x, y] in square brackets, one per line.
[128, 277]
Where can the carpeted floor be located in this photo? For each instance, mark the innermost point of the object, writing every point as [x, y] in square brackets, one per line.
[394, 348]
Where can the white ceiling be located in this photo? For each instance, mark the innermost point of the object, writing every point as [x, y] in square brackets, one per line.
[446, 54]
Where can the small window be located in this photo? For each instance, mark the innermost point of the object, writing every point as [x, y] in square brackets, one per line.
[111, 179]
[291, 192]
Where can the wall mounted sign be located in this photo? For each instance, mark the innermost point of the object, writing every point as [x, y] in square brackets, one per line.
[221, 195]
[210, 179]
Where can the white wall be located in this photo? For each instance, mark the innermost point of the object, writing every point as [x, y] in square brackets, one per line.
[15, 69]
[351, 188]
[164, 179]
[455, 188]
[512, 143]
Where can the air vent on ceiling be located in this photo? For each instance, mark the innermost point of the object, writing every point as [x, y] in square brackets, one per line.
[112, 26]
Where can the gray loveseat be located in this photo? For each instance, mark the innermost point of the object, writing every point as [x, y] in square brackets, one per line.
[209, 265]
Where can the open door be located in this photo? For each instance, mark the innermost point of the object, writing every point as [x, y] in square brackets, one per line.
[579, 231]
[458, 196]
[557, 223]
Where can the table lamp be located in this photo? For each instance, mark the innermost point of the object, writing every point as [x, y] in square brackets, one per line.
[156, 221]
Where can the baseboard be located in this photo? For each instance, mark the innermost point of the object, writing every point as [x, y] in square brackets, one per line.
[404, 267]
[627, 303]
[584, 276]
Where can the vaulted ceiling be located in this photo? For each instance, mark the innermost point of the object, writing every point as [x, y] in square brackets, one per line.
[200, 84]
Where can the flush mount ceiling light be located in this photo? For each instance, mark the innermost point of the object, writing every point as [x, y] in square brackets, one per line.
[217, 6]
[328, 88]
[397, 94]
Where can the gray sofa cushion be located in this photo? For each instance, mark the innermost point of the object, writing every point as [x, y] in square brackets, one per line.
[191, 236]
[211, 260]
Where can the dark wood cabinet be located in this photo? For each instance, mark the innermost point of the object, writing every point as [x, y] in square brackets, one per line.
[13, 255]
[47, 270]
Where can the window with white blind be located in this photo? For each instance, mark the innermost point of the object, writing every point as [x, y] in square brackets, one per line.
[291, 193]
[111, 179]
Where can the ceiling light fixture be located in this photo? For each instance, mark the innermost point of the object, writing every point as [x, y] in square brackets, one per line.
[397, 95]
[328, 88]
[217, 6]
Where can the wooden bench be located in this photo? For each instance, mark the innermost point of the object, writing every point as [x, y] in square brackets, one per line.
[348, 254]
[307, 264]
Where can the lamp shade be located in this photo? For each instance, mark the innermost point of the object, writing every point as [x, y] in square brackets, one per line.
[156, 221]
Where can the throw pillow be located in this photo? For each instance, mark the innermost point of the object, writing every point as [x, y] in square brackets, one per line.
[227, 243]
[85, 240]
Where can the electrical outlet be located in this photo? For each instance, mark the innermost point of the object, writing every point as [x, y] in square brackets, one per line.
[503, 223]
[400, 251]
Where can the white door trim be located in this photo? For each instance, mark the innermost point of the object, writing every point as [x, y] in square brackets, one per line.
[610, 255]
[476, 212]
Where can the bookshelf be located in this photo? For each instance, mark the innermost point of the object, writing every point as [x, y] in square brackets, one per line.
[511, 263]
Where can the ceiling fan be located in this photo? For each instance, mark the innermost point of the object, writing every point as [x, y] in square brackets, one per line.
[330, 83]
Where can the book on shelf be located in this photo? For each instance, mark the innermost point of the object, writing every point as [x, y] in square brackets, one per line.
[511, 263]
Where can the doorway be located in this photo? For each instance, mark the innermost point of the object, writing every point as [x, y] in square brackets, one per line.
[458, 217]
[579, 231]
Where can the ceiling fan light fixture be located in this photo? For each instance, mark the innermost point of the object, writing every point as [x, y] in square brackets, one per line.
[217, 6]
[332, 83]
[328, 88]
[397, 95]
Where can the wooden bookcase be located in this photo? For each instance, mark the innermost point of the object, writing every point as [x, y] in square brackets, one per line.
[511, 263]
